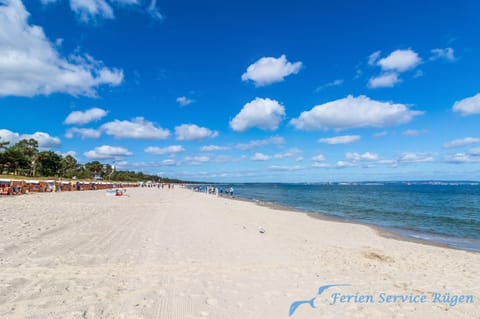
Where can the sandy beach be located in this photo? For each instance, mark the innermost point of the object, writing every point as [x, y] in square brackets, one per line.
[180, 254]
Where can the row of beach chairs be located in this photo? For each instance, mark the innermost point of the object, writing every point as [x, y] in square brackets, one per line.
[18, 187]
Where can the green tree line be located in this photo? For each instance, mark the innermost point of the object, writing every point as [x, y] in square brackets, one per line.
[25, 159]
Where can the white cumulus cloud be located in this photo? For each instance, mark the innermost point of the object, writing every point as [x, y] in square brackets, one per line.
[184, 101]
[192, 132]
[410, 157]
[196, 160]
[95, 10]
[68, 153]
[138, 128]
[344, 164]
[447, 54]
[87, 10]
[458, 158]
[400, 61]
[356, 157]
[168, 162]
[45, 140]
[468, 106]
[107, 152]
[319, 158]
[287, 168]
[90, 115]
[354, 112]
[471, 156]
[474, 151]
[337, 82]
[83, 133]
[30, 64]
[288, 154]
[225, 159]
[212, 148]
[268, 70]
[342, 139]
[462, 142]
[265, 114]
[260, 157]
[125, 2]
[384, 80]
[395, 63]
[172, 149]
[373, 58]
[153, 10]
[9, 136]
[275, 140]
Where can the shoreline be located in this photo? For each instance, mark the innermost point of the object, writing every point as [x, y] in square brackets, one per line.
[382, 231]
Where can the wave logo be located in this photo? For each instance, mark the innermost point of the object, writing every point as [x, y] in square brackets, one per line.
[311, 302]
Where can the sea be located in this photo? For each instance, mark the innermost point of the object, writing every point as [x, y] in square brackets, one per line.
[446, 213]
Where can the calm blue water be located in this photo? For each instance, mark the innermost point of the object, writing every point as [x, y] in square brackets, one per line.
[447, 213]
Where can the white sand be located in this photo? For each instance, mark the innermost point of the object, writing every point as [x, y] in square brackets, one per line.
[180, 254]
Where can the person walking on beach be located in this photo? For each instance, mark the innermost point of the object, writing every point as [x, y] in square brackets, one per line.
[231, 191]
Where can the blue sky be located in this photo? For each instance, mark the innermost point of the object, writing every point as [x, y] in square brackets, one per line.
[304, 91]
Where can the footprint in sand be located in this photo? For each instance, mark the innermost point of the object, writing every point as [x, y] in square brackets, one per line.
[211, 301]
[379, 256]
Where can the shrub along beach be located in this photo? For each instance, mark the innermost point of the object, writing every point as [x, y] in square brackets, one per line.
[25, 169]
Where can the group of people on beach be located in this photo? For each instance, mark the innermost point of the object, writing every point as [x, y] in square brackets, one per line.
[159, 185]
[11, 190]
[19, 187]
[228, 191]
[218, 191]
